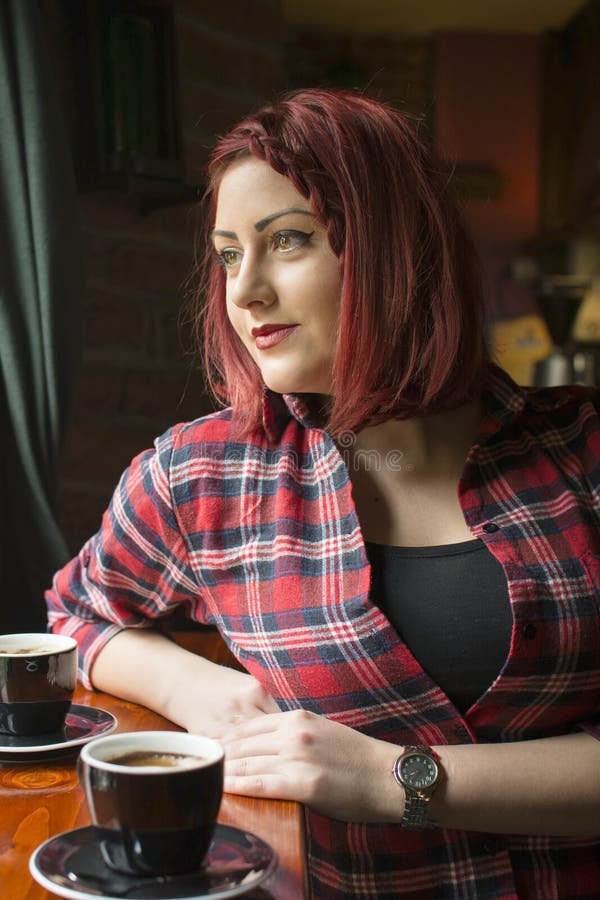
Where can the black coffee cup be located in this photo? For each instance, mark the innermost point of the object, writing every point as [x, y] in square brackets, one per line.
[38, 674]
[156, 796]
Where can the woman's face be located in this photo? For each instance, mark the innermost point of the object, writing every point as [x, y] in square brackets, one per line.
[283, 281]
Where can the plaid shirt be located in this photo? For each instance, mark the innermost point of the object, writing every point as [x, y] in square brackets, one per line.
[260, 537]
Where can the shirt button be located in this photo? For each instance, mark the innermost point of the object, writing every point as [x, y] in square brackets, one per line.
[529, 631]
[490, 527]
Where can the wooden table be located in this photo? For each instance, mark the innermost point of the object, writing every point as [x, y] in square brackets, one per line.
[41, 799]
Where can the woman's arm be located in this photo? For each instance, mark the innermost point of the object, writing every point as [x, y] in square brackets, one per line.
[199, 695]
[544, 786]
[547, 786]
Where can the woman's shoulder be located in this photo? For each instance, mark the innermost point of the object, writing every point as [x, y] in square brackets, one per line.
[205, 435]
[563, 404]
[212, 426]
[523, 401]
[565, 418]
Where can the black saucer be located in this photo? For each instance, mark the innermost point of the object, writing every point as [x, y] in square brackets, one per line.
[81, 725]
[73, 865]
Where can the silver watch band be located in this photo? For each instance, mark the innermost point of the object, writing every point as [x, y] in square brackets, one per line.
[416, 809]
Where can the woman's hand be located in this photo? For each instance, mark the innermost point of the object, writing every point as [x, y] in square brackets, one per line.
[544, 786]
[212, 698]
[199, 695]
[300, 756]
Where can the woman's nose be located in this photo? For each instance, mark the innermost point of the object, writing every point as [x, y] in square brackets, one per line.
[251, 285]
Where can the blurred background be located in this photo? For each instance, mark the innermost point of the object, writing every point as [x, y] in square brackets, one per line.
[506, 90]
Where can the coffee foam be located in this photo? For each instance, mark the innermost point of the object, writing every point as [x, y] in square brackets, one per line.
[151, 759]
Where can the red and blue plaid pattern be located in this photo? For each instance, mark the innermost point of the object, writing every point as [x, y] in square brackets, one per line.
[260, 537]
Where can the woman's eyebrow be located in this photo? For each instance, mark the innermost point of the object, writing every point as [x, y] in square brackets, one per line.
[262, 223]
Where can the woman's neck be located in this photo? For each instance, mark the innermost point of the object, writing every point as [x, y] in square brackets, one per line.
[405, 475]
[424, 443]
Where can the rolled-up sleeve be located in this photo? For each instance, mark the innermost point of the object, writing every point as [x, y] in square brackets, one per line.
[134, 570]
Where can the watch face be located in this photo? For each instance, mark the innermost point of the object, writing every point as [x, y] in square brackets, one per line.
[418, 771]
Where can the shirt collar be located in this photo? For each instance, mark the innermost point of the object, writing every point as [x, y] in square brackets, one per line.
[503, 401]
[277, 409]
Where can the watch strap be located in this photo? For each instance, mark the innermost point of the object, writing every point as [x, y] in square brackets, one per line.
[416, 810]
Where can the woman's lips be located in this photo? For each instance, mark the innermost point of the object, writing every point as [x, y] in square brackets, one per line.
[270, 335]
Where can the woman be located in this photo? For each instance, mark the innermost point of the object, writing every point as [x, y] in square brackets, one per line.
[343, 325]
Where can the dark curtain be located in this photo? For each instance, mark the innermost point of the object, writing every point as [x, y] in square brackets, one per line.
[41, 298]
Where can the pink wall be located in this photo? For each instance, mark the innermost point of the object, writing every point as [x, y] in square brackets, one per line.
[487, 98]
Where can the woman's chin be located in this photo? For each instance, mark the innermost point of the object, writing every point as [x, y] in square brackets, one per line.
[288, 384]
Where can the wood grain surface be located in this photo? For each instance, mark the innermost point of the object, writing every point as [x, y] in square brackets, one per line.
[42, 799]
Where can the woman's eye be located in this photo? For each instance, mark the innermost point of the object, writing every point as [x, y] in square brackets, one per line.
[286, 241]
[229, 257]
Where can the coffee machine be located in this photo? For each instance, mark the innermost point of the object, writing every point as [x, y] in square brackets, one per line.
[569, 362]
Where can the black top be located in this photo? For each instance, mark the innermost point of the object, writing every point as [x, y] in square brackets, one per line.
[450, 605]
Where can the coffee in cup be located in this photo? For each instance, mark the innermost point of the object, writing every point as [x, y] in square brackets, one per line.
[145, 758]
[156, 796]
[38, 674]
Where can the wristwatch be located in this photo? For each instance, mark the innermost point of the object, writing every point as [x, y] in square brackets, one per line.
[419, 772]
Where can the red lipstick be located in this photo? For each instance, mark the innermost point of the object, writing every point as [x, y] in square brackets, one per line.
[269, 335]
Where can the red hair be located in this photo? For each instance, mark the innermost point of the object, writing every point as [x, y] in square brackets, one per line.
[411, 327]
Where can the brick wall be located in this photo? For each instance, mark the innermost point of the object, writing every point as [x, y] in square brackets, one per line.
[138, 375]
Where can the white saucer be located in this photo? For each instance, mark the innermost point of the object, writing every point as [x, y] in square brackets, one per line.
[73, 865]
[81, 725]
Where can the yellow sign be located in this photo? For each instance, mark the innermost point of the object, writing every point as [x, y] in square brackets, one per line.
[517, 344]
